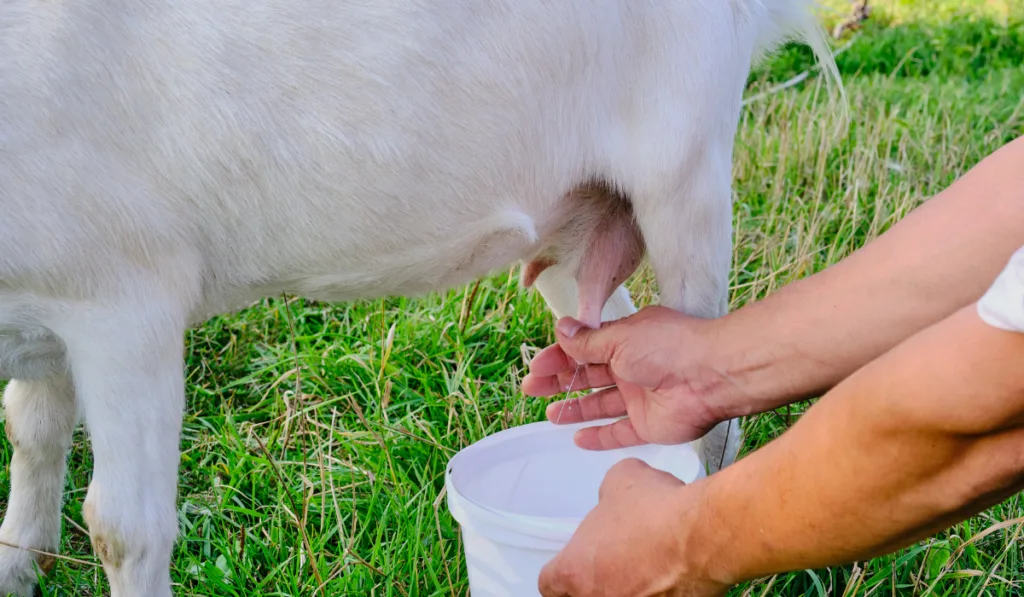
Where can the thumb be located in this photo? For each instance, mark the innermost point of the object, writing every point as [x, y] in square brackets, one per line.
[583, 344]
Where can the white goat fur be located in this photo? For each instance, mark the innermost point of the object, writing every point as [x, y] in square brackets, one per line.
[162, 161]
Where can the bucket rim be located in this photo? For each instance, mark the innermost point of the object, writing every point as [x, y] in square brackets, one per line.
[474, 515]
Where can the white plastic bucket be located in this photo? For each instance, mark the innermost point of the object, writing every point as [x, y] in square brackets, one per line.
[519, 495]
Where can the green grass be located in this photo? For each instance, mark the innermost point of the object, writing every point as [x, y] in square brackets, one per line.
[317, 435]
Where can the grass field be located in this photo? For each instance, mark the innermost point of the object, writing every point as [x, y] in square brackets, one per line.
[317, 434]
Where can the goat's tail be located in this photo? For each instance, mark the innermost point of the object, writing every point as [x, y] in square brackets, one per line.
[795, 20]
[815, 36]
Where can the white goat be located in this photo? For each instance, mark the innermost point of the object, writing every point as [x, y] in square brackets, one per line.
[162, 161]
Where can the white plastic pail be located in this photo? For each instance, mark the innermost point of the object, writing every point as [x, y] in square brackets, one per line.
[519, 494]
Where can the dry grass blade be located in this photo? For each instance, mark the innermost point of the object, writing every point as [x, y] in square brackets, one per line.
[55, 556]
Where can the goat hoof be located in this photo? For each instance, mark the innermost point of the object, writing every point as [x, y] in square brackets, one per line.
[18, 573]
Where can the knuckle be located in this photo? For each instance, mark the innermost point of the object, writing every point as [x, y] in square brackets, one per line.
[556, 579]
[621, 433]
[606, 436]
[619, 474]
[630, 465]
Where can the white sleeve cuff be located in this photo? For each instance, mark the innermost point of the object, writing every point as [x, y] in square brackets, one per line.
[1002, 306]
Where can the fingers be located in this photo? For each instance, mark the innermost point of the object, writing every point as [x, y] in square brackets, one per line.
[551, 361]
[587, 345]
[551, 371]
[589, 377]
[606, 404]
[619, 434]
[554, 368]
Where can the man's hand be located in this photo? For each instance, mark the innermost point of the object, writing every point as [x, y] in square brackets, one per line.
[948, 403]
[633, 543]
[658, 364]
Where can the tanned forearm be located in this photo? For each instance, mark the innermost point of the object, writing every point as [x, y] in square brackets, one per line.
[924, 436]
[806, 337]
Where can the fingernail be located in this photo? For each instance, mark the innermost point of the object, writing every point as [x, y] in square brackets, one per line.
[567, 326]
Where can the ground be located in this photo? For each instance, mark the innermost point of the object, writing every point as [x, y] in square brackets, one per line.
[317, 435]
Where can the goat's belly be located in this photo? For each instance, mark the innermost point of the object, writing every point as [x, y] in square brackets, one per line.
[495, 243]
[368, 272]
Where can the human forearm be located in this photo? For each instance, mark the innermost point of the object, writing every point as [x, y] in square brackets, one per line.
[806, 337]
[924, 436]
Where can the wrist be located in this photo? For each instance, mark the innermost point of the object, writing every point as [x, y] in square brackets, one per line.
[703, 539]
[752, 365]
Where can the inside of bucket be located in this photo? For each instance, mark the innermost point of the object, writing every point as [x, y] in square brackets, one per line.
[545, 475]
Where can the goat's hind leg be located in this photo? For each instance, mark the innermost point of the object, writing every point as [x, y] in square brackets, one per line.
[687, 224]
[40, 419]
